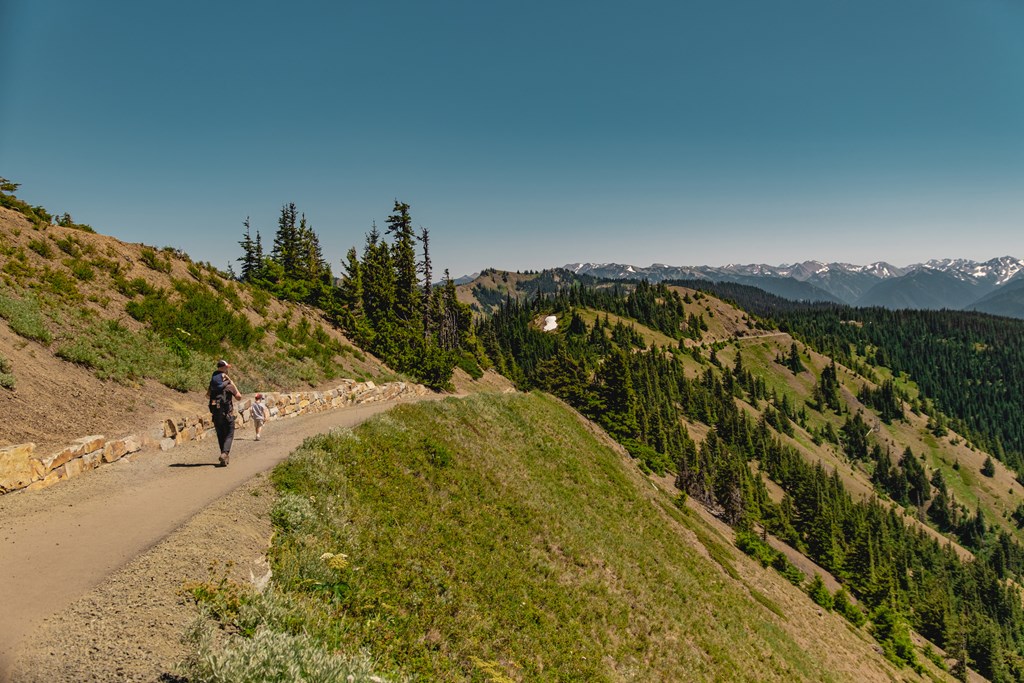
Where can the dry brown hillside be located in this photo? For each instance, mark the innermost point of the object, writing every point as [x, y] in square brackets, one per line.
[64, 291]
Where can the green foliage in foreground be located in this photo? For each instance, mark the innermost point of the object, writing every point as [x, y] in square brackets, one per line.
[494, 538]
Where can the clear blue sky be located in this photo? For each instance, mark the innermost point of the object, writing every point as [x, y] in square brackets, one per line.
[529, 134]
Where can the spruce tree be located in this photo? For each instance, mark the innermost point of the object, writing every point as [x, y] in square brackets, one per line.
[403, 251]
[248, 259]
[286, 240]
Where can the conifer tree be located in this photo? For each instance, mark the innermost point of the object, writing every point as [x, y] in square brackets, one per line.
[793, 361]
[286, 240]
[989, 467]
[249, 258]
[350, 292]
[430, 313]
[378, 278]
[403, 251]
[616, 388]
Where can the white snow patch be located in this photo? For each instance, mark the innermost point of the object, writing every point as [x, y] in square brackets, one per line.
[550, 323]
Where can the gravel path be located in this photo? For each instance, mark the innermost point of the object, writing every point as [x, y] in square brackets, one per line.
[92, 569]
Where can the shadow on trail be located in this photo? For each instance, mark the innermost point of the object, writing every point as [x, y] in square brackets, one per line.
[194, 464]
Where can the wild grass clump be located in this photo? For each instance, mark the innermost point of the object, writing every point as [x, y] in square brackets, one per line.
[25, 317]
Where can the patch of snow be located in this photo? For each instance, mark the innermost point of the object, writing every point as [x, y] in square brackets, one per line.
[550, 323]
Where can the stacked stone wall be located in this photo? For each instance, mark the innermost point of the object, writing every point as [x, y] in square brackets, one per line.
[22, 469]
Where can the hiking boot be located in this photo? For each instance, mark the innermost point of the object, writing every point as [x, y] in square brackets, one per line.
[224, 459]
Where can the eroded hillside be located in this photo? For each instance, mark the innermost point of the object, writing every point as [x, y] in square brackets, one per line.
[100, 336]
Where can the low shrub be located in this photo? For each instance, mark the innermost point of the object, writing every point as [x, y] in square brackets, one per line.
[42, 247]
[81, 269]
[270, 655]
[6, 376]
[25, 318]
[117, 353]
[198, 313]
[158, 262]
[60, 283]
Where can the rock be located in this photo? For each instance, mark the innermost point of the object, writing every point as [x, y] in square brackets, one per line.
[134, 443]
[49, 480]
[16, 469]
[75, 467]
[114, 450]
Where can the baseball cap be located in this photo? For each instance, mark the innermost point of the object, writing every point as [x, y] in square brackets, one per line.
[223, 364]
[259, 396]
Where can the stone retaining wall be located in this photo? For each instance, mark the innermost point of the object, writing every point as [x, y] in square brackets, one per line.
[21, 469]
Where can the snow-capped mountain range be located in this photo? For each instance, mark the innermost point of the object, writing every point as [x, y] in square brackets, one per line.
[994, 286]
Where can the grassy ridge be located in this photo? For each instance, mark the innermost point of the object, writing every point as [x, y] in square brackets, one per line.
[496, 538]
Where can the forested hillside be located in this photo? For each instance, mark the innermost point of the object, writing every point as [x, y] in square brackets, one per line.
[783, 443]
[971, 365]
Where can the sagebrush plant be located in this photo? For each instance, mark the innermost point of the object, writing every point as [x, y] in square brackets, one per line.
[292, 512]
[270, 656]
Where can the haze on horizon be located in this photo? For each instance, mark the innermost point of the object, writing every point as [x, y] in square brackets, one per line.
[529, 135]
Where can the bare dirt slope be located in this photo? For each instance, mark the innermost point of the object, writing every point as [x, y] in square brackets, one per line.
[75, 546]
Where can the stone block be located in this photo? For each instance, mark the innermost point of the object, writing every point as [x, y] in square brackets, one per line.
[114, 450]
[55, 460]
[167, 444]
[170, 429]
[134, 443]
[75, 467]
[47, 481]
[16, 469]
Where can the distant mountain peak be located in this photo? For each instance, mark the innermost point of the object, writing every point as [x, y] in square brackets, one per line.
[842, 282]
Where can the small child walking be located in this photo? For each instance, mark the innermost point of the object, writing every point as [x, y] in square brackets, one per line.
[259, 414]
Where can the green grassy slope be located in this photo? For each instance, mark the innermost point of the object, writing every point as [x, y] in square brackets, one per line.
[502, 538]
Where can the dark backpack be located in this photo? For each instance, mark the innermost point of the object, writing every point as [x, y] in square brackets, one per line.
[221, 399]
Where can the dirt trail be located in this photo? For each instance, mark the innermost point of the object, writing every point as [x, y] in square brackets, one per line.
[59, 544]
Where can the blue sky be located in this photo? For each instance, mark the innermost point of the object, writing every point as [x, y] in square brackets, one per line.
[529, 134]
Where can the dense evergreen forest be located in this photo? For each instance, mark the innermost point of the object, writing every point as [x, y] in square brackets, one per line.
[970, 364]
[385, 300]
[901, 575]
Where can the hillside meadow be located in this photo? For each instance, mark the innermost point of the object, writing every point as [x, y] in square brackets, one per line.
[504, 538]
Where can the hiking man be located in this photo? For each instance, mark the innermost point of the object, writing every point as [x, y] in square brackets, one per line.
[222, 393]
